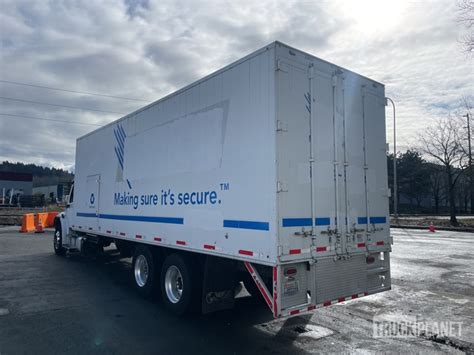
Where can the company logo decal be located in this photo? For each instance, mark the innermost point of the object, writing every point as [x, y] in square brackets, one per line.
[120, 137]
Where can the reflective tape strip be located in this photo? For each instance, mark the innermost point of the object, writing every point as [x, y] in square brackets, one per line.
[256, 278]
[157, 239]
[209, 247]
[138, 236]
[180, 242]
[122, 233]
[246, 252]
[381, 242]
[360, 245]
[324, 304]
[299, 251]
[343, 299]
[321, 249]
[275, 288]
[109, 232]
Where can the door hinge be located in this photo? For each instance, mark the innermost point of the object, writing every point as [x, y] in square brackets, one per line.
[281, 65]
[280, 187]
[280, 250]
[281, 127]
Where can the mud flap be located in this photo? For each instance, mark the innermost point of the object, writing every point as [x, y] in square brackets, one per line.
[219, 284]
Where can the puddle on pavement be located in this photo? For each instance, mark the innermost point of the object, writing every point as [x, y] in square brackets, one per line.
[295, 329]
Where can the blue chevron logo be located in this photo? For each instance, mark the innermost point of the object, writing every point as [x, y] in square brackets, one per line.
[119, 148]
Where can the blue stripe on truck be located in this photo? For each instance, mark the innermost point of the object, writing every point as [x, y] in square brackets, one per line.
[305, 222]
[82, 214]
[296, 222]
[323, 221]
[152, 219]
[261, 226]
[374, 220]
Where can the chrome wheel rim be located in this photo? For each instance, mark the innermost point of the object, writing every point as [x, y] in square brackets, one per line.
[141, 270]
[173, 284]
[57, 239]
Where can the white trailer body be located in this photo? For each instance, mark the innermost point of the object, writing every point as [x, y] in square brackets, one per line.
[277, 160]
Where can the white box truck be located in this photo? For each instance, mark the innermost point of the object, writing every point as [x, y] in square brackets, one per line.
[271, 171]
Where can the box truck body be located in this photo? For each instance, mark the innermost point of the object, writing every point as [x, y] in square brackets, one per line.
[276, 162]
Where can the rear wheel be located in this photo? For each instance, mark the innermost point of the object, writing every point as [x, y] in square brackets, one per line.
[180, 284]
[58, 240]
[144, 271]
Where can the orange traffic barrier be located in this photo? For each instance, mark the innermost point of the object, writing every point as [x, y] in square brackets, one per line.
[39, 226]
[432, 228]
[43, 216]
[28, 223]
[50, 219]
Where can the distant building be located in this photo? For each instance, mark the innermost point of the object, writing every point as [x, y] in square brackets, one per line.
[54, 193]
[19, 183]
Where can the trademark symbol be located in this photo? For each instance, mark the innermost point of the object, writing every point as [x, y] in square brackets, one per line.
[225, 186]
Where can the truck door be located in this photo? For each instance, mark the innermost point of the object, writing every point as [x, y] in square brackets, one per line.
[328, 178]
[305, 154]
[92, 201]
[376, 223]
[293, 162]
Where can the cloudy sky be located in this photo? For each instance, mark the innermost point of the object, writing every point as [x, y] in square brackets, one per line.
[138, 51]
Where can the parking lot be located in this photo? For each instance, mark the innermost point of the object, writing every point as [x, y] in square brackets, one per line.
[50, 304]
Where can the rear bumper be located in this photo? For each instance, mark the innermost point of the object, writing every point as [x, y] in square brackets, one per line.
[305, 286]
[311, 307]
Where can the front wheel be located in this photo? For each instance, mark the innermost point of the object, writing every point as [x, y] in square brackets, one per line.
[58, 240]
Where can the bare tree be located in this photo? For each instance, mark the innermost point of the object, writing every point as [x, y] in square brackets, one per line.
[443, 142]
[437, 178]
[465, 17]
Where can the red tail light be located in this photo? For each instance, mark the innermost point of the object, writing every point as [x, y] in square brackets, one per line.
[290, 271]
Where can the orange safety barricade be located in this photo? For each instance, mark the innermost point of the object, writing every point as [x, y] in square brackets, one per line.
[41, 215]
[28, 223]
[49, 222]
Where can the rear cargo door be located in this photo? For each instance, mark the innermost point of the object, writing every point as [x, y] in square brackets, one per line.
[328, 167]
[365, 167]
[358, 203]
[305, 205]
[92, 201]
[293, 161]
[376, 222]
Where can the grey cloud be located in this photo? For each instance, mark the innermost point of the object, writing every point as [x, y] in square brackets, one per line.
[146, 49]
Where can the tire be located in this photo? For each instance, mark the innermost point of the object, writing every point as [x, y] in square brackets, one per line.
[58, 240]
[144, 271]
[180, 284]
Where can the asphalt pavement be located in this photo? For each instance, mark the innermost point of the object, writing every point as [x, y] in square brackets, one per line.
[77, 305]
